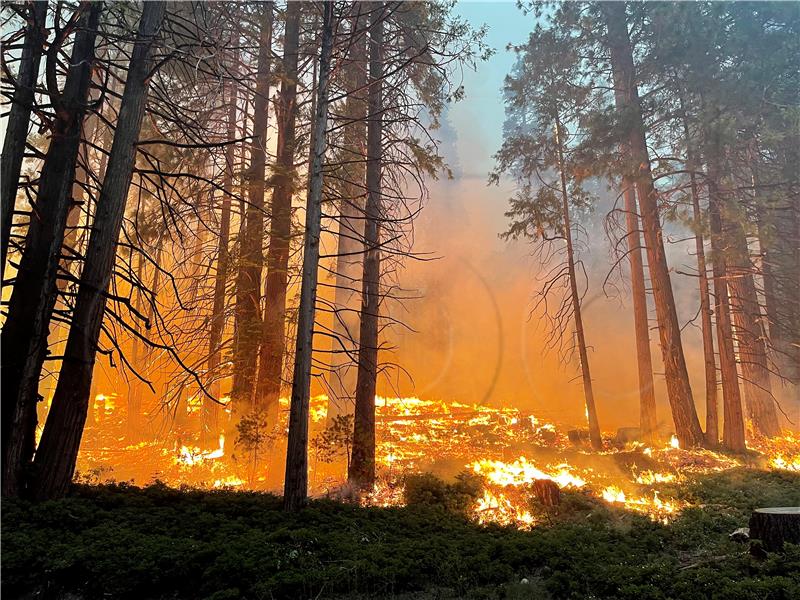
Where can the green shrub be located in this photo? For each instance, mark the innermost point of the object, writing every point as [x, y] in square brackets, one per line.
[459, 497]
[158, 543]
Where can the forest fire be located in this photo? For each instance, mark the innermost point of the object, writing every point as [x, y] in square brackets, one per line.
[509, 451]
[304, 299]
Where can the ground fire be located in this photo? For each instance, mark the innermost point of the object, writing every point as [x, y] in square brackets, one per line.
[388, 299]
[508, 449]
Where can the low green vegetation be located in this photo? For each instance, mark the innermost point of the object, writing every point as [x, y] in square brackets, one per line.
[123, 542]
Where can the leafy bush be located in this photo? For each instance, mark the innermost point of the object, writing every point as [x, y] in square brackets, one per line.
[459, 497]
[159, 543]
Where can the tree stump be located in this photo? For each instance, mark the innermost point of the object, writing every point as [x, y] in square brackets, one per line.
[628, 434]
[578, 437]
[547, 492]
[773, 526]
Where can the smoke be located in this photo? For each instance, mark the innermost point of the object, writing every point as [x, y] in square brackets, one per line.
[474, 337]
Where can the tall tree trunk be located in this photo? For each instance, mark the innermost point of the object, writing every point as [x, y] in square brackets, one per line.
[779, 237]
[350, 245]
[575, 298]
[706, 326]
[54, 463]
[746, 311]
[648, 422]
[362, 465]
[684, 414]
[709, 361]
[134, 398]
[24, 335]
[217, 325]
[147, 360]
[251, 259]
[18, 119]
[296, 480]
[273, 339]
[733, 421]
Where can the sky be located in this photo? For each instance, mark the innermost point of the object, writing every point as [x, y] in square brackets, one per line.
[479, 118]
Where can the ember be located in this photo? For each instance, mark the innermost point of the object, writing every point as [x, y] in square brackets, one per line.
[417, 435]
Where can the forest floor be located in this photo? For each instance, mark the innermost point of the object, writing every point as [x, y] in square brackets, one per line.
[121, 542]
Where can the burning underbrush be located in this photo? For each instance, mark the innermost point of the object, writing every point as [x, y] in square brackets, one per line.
[523, 464]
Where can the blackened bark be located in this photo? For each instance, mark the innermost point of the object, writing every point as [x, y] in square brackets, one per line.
[54, 463]
[273, 340]
[295, 491]
[24, 335]
[18, 119]
[362, 464]
[684, 414]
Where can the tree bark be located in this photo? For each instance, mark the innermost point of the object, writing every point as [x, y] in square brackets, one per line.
[54, 463]
[778, 220]
[709, 361]
[19, 118]
[350, 245]
[648, 422]
[779, 238]
[774, 526]
[733, 422]
[251, 259]
[679, 391]
[24, 335]
[591, 410]
[217, 325]
[746, 311]
[296, 480]
[362, 465]
[134, 398]
[273, 337]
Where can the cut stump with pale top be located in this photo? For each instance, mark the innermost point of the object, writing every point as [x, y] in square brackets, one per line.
[776, 525]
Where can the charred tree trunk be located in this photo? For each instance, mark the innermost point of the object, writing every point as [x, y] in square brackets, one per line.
[273, 337]
[684, 414]
[746, 311]
[217, 325]
[648, 422]
[296, 480]
[251, 259]
[575, 298]
[24, 335]
[362, 465]
[733, 421]
[55, 458]
[18, 119]
[350, 245]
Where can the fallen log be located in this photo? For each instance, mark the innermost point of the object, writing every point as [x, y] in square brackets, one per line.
[776, 525]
